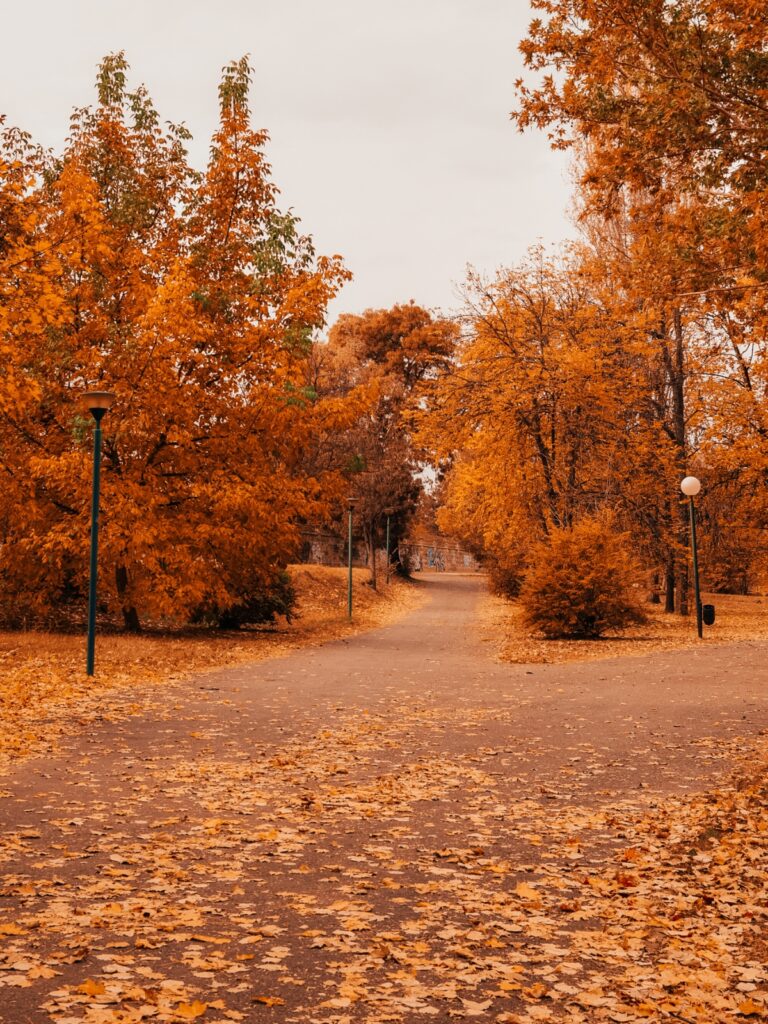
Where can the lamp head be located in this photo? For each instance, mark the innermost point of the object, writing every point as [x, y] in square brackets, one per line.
[351, 502]
[98, 402]
[690, 486]
[388, 511]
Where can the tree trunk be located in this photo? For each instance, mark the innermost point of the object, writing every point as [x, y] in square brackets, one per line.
[370, 544]
[130, 615]
[681, 600]
[669, 579]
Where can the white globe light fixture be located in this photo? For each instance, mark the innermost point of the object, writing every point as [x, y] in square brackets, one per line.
[690, 486]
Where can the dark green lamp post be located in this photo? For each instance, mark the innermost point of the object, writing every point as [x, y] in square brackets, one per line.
[388, 512]
[98, 402]
[351, 502]
[690, 487]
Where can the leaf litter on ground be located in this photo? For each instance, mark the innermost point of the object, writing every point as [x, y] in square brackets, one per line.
[45, 693]
[371, 872]
[340, 879]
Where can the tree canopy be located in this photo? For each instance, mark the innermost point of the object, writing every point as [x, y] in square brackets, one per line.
[193, 298]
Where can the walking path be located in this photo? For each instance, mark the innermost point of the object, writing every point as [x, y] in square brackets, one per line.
[392, 827]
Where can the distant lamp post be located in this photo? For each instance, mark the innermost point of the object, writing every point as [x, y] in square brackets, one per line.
[98, 402]
[690, 487]
[351, 502]
[388, 512]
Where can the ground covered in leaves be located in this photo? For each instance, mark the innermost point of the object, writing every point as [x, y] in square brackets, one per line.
[396, 829]
[44, 691]
[738, 620]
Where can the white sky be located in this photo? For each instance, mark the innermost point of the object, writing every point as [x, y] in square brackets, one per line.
[389, 119]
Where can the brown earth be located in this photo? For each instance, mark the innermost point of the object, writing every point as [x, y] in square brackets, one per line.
[394, 827]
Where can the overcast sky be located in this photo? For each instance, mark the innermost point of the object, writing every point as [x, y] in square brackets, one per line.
[389, 121]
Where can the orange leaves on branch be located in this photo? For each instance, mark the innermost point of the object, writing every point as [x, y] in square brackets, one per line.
[193, 298]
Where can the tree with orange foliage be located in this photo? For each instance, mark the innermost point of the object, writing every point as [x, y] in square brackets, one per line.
[193, 299]
[547, 417]
[580, 581]
[384, 356]
[666, 103]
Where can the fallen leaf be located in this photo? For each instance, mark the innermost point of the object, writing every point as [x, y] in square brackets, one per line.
[191, 1010]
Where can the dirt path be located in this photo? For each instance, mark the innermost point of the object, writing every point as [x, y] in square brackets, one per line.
[393, 827]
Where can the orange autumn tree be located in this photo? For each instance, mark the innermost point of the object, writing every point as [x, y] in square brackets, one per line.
[193, 299]
[670, 96]
[541, 421]
[382, 359]
[632, 260]
[32, 308]
[667, 103]
[579, 583]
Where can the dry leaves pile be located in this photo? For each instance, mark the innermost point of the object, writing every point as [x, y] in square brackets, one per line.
[45, 693]
[739, 619]
[356, 874]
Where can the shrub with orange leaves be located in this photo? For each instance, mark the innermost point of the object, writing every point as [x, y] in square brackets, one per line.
[581, 579]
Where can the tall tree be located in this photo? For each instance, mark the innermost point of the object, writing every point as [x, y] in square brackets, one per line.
[386, 355]
[193, 298]
[544, 418]
[667, 103]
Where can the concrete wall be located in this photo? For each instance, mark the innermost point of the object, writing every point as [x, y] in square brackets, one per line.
[435, 553]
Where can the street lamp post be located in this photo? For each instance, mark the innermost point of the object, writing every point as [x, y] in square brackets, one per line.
[690, 487]
[98, 402]
[388, 512]
[351, 502]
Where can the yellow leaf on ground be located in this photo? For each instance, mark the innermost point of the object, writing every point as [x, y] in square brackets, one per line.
[472, 1009]
[749, 1008]
[527, 892]
[191, 1010]
[91, 988]
[41, 972]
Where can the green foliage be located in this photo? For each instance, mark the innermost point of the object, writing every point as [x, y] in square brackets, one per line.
[110, 81]
[234, 86]
[580, 583]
